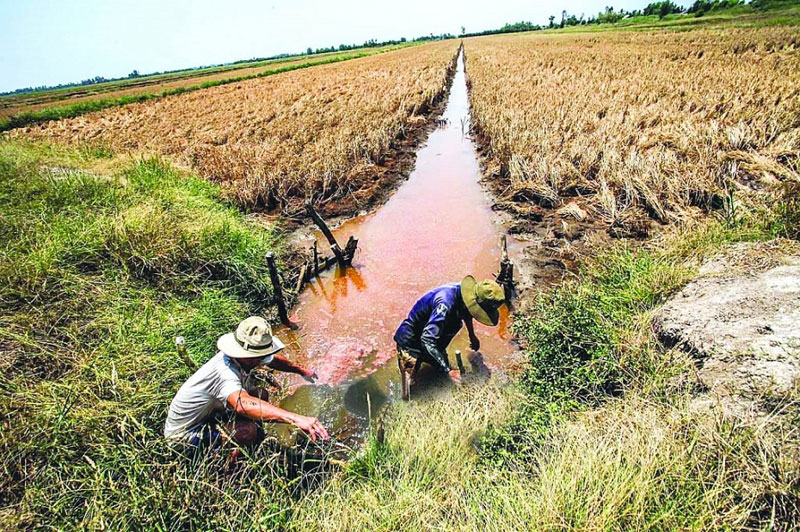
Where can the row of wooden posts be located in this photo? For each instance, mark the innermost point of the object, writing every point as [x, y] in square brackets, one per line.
[344, 258]
[312, 267]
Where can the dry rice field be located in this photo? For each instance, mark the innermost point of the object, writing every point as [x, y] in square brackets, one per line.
[322, 132]
[633, 126]
[35, 101]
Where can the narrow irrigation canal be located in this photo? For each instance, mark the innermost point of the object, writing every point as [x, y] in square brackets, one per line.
[436, 228]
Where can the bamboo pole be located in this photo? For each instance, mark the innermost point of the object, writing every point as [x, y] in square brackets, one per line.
[302, 279]
[316, 259]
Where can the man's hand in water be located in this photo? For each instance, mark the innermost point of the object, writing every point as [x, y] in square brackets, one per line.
[474, 343]
[312, 427]
[310, 375]
[455, 376]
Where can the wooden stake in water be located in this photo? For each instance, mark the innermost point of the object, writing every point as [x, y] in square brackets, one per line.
[337, 251]
[302, 278]
[405, 389]
[316, 259]
[505, 277]
[278, 291]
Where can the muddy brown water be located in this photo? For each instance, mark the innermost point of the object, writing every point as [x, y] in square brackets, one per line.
[436, 228]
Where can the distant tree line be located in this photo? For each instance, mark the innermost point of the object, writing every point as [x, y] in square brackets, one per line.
[371, 43]
[609, 15]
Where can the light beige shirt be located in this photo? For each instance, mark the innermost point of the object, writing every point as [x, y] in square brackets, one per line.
[204, 394]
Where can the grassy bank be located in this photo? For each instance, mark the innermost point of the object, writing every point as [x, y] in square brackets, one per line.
[105, 260]
[601, 432]
[98, 272]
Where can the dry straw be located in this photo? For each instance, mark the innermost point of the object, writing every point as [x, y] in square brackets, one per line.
[321, 132]
[638, 125]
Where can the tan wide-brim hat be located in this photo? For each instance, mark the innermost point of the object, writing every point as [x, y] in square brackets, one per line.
[483, 299]
[253, 339]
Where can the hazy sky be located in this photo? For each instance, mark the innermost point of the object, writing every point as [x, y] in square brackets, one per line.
[46, 42]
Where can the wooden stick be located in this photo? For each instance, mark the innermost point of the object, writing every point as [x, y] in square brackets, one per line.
[339, 254]
[278, 291]
[337, 251]
[414, 372]
[302, 279]
[404, 385]
[460, 363]
[316, 259]
[350, 249]
[506, 275]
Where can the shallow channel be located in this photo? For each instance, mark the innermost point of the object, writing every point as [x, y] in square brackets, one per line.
[436, 228]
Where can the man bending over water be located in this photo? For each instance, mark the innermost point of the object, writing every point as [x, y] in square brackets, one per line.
[217, 396]
[437, 317]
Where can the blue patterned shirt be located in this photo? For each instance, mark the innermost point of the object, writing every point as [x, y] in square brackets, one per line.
[432, 323]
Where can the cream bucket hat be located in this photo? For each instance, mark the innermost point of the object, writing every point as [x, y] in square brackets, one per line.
[252, 339]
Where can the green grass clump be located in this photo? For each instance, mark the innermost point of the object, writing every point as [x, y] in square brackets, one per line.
[97, 275]
[786, 221]
[589, 340]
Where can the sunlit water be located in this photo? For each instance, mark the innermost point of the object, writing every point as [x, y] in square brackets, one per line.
[436, 228]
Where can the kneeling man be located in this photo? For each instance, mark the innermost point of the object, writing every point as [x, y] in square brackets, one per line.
[217, 396]
[437, 317]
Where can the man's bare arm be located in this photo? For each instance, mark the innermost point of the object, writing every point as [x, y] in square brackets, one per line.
[281, 363]
[249, 406]
[246, 405]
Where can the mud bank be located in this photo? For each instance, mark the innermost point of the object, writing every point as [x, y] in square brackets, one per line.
[740, 322]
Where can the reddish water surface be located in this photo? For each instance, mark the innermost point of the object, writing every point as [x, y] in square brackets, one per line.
[436, 228]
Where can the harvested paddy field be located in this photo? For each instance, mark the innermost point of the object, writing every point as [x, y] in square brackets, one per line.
[324, 132]
[634, 128]
[14, 104]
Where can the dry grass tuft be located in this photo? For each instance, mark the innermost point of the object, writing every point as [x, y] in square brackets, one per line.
[635, 464]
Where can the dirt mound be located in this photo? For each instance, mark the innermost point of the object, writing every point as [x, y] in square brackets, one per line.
[741, 320]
